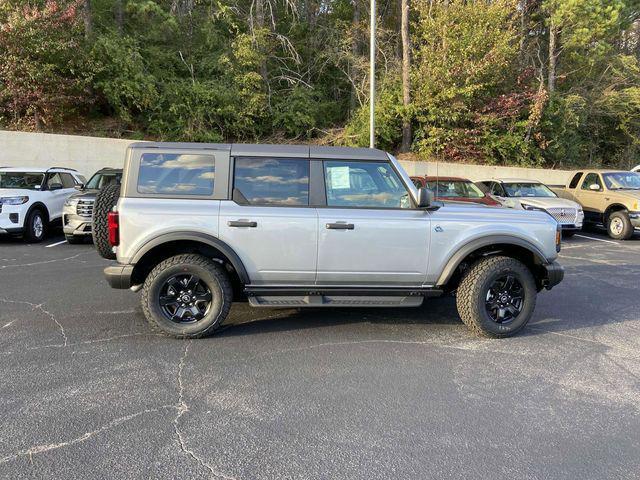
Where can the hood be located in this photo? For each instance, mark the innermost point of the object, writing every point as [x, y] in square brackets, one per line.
[631, 194]
[16, 192]
[545, 202]
[88, 194]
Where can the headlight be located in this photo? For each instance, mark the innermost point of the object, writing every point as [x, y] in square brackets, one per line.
[14, 200]
[526, 206]
[71, 202]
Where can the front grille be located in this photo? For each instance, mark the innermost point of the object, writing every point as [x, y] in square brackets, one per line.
[85, 208]
[564, 216]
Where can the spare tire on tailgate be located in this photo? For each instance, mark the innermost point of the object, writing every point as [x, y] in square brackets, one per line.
[106, 199]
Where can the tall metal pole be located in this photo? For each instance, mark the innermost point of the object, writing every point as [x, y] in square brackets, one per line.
[372, 76]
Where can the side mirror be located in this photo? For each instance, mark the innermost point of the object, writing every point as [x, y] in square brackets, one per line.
[594, 187]
[55, 186]
[79, 186]
[425, 198]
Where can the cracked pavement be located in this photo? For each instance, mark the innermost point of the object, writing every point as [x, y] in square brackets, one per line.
[88, 391]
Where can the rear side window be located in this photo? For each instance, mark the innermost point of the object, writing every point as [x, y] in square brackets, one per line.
[176, 174]
[272, 181]
[575, 180]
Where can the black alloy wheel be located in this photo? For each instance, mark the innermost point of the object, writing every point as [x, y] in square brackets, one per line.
[505, 299]
[185, 298]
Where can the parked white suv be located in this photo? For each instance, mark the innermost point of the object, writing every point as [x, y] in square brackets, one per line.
[197, 226]
[32, 198]
[534, 195]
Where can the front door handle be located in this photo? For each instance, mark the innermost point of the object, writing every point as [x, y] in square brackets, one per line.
[340, 226]
[242, 223]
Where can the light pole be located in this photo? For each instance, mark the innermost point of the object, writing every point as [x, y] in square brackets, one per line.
[372, 76]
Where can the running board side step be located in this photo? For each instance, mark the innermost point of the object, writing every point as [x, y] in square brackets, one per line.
[337, 296]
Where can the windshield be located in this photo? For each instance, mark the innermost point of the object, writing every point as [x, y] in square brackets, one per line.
[100, 180]
[454, 188]
[622, 181]
[527, 189]
[25, 180]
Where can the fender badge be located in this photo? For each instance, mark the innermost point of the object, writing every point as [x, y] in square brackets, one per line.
[439, 229]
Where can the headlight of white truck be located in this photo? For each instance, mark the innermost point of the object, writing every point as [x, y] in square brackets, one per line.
[14, 200]
[71, 202]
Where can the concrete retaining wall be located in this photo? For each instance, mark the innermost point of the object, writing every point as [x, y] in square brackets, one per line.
[88, 154]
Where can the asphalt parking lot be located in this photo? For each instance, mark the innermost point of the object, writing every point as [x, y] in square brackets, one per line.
[88, 392]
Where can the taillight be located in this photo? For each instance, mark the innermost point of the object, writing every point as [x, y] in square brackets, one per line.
[113, 223]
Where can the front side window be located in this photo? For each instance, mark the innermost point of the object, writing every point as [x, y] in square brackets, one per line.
[364, 185]
[454, 188]
[21, 180]
[272, 181]
[176, 174]
[527, 189]
[67, 180]
[591, 179]
[54, 179]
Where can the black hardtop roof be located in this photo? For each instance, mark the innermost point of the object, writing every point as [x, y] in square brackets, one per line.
[259, 150]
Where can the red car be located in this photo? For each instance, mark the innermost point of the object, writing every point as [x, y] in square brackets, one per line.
[454, 189]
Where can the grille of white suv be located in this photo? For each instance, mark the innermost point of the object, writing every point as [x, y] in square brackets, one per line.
[85, 207]
[564, 215]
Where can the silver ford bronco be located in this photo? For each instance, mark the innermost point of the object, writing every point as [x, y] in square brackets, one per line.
[197, 226]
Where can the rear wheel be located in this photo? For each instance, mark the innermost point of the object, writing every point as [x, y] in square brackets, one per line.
[186, 296]
[106, 199]
[35, 226]
[496, 297]
[619, 226]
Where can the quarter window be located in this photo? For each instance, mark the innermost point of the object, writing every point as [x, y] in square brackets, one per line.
[365, 185]
[272, 181]
[575, 180]
[176, 174]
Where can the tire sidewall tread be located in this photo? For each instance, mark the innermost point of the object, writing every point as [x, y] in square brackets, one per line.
[106, 199]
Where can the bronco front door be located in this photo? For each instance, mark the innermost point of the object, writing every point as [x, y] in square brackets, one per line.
[369, 233]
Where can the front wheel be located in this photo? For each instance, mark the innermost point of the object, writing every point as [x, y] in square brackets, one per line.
[496, 297]
[186, 296]
[619, 226]
[35, 227]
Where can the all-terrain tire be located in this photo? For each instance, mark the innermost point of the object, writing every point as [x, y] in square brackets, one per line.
[619, 226]
[35, 227]
[473, 290]
[209, 272]
[106, 199]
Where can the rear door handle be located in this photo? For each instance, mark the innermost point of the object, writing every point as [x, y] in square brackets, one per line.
[242, 223]
[340, 226]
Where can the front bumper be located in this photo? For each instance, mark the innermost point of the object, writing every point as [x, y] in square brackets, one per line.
[635, 219]
[74, 224]
[119, 276]
[12, 218]
[553, 273]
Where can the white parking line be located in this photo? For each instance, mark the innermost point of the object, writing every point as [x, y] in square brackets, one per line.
[57, 243]
[598, 239]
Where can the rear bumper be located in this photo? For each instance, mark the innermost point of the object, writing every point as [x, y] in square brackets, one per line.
[553, 275]
[119, 276]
